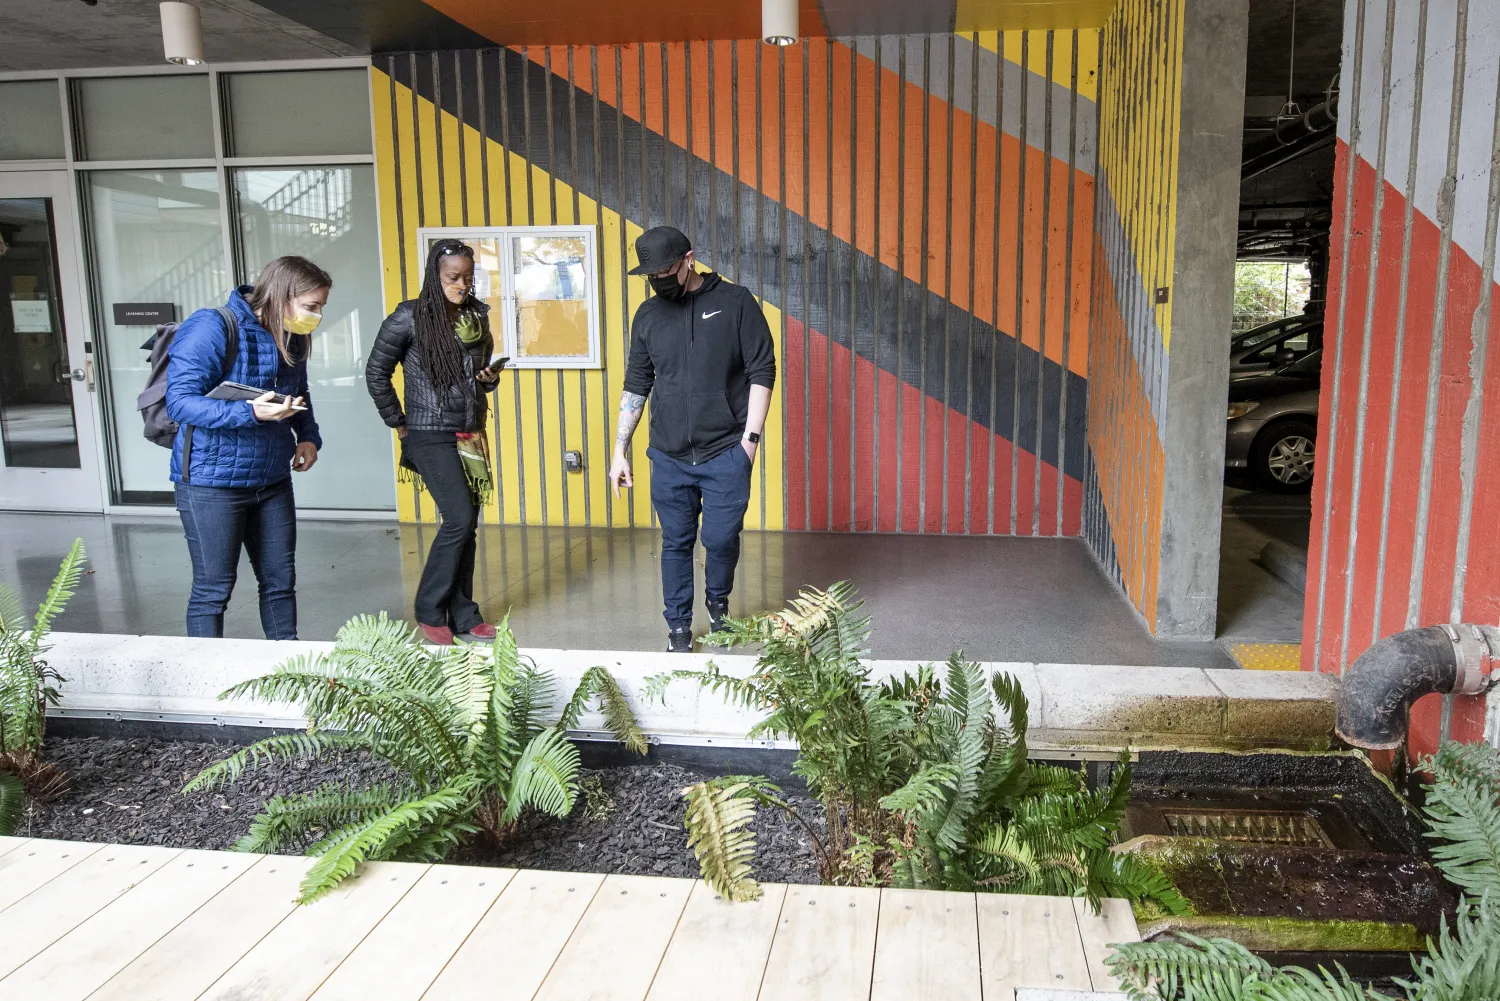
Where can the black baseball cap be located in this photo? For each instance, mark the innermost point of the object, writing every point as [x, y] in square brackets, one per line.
[659, 248]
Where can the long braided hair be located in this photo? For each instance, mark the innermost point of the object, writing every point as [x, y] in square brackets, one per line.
[442, 355]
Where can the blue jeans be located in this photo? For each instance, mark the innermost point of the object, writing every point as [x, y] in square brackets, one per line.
[219, 522]
[717, 490]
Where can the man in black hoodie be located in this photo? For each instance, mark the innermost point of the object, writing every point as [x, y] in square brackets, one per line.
[701, 351]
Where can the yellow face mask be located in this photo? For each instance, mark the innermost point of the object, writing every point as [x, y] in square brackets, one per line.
[303, 323]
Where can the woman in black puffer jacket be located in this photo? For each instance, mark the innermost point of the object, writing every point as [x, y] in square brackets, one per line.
[441, 340]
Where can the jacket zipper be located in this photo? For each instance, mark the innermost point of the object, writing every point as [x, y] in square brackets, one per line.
[687, 370]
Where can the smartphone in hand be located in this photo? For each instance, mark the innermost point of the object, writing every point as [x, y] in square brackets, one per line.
[496, 365]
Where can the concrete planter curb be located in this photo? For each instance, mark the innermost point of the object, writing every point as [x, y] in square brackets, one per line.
[1091, 710]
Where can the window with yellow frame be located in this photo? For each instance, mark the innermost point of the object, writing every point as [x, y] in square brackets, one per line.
[542, 286]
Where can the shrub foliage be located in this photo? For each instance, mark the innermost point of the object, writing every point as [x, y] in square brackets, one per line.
[27, 688]
[461, 728]
[924, 780]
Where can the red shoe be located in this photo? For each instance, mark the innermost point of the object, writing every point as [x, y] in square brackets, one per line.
[483, 631]
[438, 635]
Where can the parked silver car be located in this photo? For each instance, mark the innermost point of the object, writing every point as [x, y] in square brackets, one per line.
[1262, 350]
[1273, 424]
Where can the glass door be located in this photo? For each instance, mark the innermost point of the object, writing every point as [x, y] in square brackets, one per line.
[47, 415]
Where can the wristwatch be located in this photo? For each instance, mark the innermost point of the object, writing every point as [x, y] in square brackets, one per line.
[753, 437]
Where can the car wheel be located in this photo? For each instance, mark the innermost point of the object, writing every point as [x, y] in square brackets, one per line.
[1284, 455]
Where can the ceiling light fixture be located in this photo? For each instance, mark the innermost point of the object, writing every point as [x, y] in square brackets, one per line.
[182, 34]
[778, 22]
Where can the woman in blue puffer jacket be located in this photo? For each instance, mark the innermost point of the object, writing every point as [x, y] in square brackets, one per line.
[232, 461]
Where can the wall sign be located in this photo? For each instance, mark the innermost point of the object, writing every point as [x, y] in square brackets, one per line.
[31, 316]
[144, 314]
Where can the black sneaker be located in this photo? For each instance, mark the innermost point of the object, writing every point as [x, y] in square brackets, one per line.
[718, 611]
[680, 641]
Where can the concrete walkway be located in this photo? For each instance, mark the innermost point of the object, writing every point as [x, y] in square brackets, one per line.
[997, 599]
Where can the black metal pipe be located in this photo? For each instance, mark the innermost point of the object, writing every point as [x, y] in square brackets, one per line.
[1378, 689]
[1275, 153]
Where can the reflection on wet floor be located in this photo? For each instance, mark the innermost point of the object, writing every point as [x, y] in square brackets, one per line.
[1000, 599]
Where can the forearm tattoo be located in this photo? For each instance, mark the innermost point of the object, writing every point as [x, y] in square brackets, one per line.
[631, 407]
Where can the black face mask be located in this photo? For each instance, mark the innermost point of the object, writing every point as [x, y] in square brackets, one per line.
[668, 287]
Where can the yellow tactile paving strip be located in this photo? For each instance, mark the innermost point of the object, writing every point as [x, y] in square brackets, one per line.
[1267, 656]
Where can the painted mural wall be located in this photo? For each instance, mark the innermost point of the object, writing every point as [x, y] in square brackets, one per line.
[1406, 510]
[916, 214]
[1131, 332]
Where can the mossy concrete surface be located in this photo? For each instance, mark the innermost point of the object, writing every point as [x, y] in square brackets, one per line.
[1285, 898]
[1293, 934]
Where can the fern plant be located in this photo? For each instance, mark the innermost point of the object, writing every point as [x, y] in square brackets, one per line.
[28, 687]
[1462, 964]
[12, 802]
[921, 785]
[460, 726]
[1462, 812]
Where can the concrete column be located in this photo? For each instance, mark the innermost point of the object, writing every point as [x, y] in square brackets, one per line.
[1215, 34]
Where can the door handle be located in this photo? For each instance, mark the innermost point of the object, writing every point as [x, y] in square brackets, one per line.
[77, 376]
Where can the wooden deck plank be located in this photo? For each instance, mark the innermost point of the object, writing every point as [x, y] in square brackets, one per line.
[153, 924]
[1029, 942]
[824, 946]
[618, 944]
[11, 844]
[66, 901]
[509, 952]
[928, 947]
[299, 953]
[399, 960]
[189, 958]
[1115, 922]
[41, 861]
[85, 958]
[719, 949]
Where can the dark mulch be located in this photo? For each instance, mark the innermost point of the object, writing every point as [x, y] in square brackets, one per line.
[128, 791]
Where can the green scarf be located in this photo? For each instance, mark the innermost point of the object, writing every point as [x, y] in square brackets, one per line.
[473, 456]
[473, 451]
[469, 328]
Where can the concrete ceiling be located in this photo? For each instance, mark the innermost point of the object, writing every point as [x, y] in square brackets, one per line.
[67, 34]
[1286, 210]
[1314, 62]
[1303, 36]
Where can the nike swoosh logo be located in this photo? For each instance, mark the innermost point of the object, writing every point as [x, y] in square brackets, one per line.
[714, 313]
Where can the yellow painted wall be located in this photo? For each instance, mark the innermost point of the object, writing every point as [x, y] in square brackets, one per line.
[537, 413]
[1130, 336]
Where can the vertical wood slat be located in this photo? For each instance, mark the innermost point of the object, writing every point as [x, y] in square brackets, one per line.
[719, 943]
[824, 945]
[511, 949]
[614, 952]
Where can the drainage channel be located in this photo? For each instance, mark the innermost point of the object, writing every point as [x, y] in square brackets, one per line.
[1306, 859]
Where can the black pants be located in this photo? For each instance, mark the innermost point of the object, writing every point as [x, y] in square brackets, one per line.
[445, 596]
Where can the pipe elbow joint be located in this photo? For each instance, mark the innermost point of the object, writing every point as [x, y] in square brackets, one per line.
[1378, 690]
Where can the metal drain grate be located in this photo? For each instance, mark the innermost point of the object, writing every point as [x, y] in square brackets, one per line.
[1265, 826]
